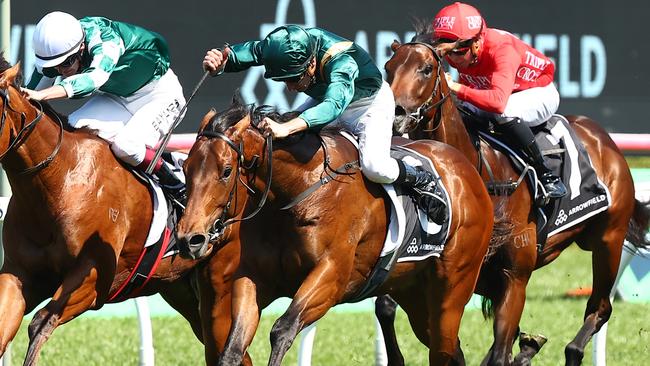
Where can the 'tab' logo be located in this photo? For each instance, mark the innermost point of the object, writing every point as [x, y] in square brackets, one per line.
[276, 96]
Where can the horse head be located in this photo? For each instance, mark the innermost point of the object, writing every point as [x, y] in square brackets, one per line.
[221, 166]
[418, 82]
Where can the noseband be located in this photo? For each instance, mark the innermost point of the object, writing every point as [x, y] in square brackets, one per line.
[220, 224]
[25, 131]
[424, 108]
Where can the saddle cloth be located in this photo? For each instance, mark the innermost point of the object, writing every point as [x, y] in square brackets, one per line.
[410, 235]
[164, 215]
[567, 158]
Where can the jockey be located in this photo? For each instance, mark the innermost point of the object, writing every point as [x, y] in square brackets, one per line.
[346, 90]
[135, 96]
[501, 79]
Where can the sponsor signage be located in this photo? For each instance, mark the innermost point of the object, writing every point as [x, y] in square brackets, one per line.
[600, 59]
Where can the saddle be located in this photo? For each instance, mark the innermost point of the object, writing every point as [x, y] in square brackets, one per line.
[412, 235]
[565, 155]
[160, 242]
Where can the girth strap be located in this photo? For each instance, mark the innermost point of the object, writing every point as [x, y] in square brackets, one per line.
[321, 182]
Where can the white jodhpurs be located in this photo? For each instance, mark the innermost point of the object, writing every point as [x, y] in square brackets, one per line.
[131, 124]
[371, 121]
[533, 106]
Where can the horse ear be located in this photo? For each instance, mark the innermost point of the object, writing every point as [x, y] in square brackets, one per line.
[207, 119]
[395, 45]
[9, 76]
[241, 126]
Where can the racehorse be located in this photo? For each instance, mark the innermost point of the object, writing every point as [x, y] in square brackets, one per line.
[425, 109]
[75, 227]
[322, 247]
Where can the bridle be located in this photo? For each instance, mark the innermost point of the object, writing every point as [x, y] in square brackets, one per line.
[220, 224]
[429, 104]
[25, 131]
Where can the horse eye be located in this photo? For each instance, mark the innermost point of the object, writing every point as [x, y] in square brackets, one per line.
[227, 171]
[427, 70]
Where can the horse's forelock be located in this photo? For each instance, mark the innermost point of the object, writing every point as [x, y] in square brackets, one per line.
[228, 118]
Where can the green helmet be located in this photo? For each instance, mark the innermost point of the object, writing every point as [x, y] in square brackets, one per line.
[287, 51]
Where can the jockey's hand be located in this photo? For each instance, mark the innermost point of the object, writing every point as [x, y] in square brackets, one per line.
[274, 129]
[215, 60]
[32, 94]
[454, 86]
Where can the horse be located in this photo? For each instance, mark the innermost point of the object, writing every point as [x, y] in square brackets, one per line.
[320, 246]
[425, 109]
[75, 227]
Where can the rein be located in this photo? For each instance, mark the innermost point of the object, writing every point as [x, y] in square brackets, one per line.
[25, 131]
[221, 222]
[428, 105]
[329, 174]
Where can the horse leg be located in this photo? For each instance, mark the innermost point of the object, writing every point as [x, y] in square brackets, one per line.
[245, 319]
[605, 256]
[529, 346]
[181, 296]
[215, 289]
[12, 308]
[507, 314]
[317, 294]
[385, 309]
[415, 307]
[449, 290]
[77, 293]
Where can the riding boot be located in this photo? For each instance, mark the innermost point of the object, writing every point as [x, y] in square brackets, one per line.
[170, 182]
[522, 138]
[421, 182]
[551, 182]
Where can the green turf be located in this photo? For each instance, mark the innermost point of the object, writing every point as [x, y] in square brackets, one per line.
[348, 338]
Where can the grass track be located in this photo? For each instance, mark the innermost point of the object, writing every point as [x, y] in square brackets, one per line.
[347, 339]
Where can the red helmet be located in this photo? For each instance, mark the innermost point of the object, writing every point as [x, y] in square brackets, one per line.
[457, 21]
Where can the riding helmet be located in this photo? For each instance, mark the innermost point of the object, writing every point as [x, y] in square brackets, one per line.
[287, 51]
[57, 36]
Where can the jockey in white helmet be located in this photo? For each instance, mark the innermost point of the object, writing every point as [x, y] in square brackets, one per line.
[134, 95]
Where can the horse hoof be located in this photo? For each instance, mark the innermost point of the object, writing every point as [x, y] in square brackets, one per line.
[534, 341]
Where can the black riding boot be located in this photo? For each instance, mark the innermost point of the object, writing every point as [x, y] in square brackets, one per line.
[552, 183]
[522, 138]
[421, 182]
[169, 182]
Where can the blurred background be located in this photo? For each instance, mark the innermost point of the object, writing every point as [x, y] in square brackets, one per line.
[601, 60]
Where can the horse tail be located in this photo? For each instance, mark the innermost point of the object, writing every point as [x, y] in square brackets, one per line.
[487, 308]
[501, 231]
[639, 224]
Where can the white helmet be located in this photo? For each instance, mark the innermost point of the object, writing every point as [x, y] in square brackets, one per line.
[57, 36]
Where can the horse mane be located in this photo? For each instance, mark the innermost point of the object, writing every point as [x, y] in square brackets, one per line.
[239, 110]
[423, 31]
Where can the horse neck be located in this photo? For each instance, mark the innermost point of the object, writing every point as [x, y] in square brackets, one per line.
[292, 168]
[452, 130]
[35, 148]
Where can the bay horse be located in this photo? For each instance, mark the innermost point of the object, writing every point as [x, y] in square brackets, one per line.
[426, 109]
[75, 227]
[321, 250]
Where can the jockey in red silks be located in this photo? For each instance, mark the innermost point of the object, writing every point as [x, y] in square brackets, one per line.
[502, 79]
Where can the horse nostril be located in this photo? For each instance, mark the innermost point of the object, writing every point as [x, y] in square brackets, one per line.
[399, 111]
[197, 239]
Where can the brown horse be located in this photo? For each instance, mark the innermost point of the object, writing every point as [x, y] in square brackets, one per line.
[426, 110]
[76, 226]
[322, 249]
